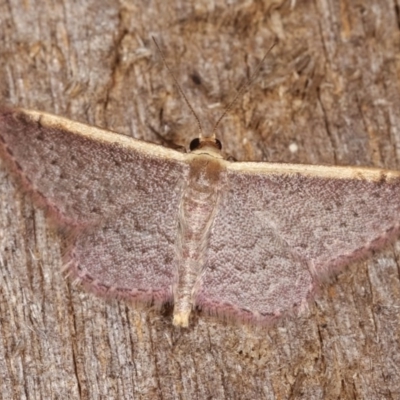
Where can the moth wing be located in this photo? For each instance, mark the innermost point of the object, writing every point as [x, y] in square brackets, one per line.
[280, 227]
[83, 173]
[130, 256]
[94, 181]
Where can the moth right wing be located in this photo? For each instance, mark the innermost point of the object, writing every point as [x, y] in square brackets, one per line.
[279, 228]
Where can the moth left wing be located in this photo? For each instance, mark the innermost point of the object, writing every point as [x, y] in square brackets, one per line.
[85, 174]
[280, 227]
[119, 196]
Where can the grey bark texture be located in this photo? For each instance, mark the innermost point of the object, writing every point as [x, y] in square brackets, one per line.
[327, 93]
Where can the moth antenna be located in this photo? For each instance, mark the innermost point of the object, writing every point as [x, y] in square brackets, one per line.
[243, 89]
[180, 89]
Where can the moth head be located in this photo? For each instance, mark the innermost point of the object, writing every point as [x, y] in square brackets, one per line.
[207, 145]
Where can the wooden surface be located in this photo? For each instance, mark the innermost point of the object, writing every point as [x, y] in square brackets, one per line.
[328, 93]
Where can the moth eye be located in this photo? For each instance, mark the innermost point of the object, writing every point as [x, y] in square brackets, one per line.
[194, 144]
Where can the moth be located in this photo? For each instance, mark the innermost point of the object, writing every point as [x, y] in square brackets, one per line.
[243, 240]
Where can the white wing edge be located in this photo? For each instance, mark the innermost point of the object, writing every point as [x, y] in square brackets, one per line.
[103, 135]
[320, 171]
